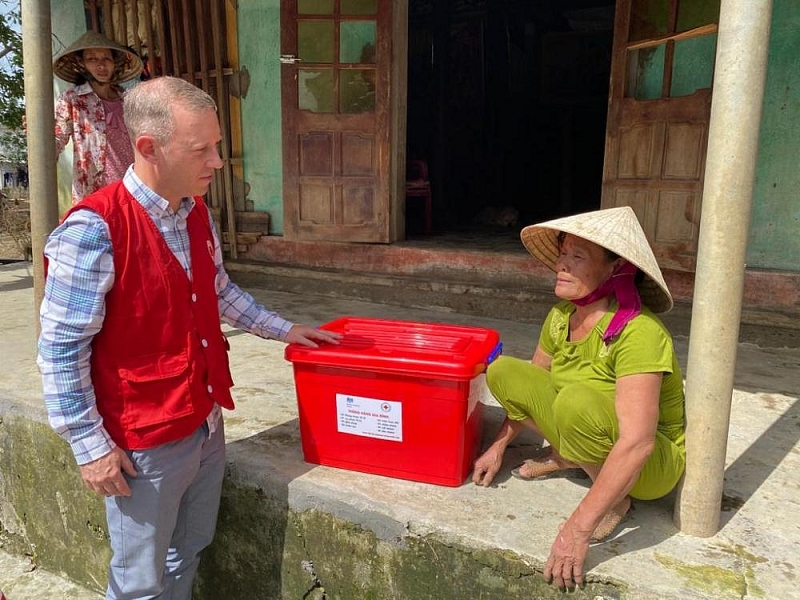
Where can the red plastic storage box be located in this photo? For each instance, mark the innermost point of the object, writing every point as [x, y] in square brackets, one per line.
[396, 398]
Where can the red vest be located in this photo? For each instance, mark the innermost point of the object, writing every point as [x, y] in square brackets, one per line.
[160, 360]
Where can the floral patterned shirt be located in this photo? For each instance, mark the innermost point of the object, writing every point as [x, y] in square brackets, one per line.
[119, 149]
[81, 116]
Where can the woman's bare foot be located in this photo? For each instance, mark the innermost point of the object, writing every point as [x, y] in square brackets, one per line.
[611, 520]
[548, 463]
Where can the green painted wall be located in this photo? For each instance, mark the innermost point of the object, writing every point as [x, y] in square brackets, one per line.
[774, 241]
[259, 52]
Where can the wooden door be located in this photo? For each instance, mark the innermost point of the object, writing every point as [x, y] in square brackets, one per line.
[658, 114]
[335, 75]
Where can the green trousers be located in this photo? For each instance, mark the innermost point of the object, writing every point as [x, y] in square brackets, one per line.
[580, 422]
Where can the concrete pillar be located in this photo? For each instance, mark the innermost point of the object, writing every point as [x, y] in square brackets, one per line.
[736, 107]
[42, 187]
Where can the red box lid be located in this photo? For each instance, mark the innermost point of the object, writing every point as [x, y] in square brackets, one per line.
[405, 347]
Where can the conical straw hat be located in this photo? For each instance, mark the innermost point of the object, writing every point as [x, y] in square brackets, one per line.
[616, 229]
[68, 65]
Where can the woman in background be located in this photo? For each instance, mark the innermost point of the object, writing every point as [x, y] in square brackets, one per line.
[91, 112]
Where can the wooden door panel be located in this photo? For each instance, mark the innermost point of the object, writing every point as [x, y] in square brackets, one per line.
[671, 230]
[675, 236]
[328, 199]
[642, 205]
[316, 154]
[637, 150]
[668, 219]
[316, 204]
[684, 151]
[358, 205]
[358, 155]
[635, 198]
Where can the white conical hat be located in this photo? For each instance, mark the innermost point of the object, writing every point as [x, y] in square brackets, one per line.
[69, 66]
[616, 229]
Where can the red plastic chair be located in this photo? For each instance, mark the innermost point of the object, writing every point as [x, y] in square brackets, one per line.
[418, 186]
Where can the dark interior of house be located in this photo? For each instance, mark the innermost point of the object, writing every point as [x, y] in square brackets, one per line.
[507, 107]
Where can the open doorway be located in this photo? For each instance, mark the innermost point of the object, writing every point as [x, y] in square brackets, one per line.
[507, 104]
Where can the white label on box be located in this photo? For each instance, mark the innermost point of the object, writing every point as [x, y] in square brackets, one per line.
[381, 419]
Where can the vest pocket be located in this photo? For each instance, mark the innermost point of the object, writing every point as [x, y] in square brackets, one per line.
[155, 389]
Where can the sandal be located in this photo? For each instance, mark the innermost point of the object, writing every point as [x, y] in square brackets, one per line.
[547, 466]
[612, 520]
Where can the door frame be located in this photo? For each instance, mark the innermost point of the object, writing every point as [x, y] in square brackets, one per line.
[391, 140]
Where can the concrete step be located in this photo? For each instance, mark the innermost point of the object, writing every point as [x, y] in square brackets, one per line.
[500, 261]
[526, 302]
[21, 579]
[452, 294]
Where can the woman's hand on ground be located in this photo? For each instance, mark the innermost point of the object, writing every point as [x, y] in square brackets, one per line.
[564, 567]
[486, 466]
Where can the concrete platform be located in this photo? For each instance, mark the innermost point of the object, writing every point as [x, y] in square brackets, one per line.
[289, 529]
[19, 580]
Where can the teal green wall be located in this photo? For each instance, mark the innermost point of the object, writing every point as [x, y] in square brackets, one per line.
[68, 24]
[259, 52]
[693, 65]
[775, 223]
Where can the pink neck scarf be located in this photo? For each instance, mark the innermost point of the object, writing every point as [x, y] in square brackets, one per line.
[622, 285]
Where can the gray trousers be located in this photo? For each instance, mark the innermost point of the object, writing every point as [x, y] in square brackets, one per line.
[157, 532]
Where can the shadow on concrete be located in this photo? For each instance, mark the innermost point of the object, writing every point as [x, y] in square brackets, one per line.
[524, 446]
[246, 557]
[755, 465]
[19, 283]
[648, 524]
[234, 332]
[769, 370]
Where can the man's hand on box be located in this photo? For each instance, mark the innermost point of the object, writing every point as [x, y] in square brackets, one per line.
[309, 336]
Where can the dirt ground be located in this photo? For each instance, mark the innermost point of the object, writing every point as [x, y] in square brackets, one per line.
[14, 218]
[9, 250]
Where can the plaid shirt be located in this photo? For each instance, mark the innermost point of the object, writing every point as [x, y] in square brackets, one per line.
[80, 273]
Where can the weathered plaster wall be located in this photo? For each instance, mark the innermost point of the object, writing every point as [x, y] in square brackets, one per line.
[774, 241]
[259, 51]
[45, 511]
[267, 545]
[317, 555]
[68, 23]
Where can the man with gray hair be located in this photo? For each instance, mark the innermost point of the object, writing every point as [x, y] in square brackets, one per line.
[133, 360]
